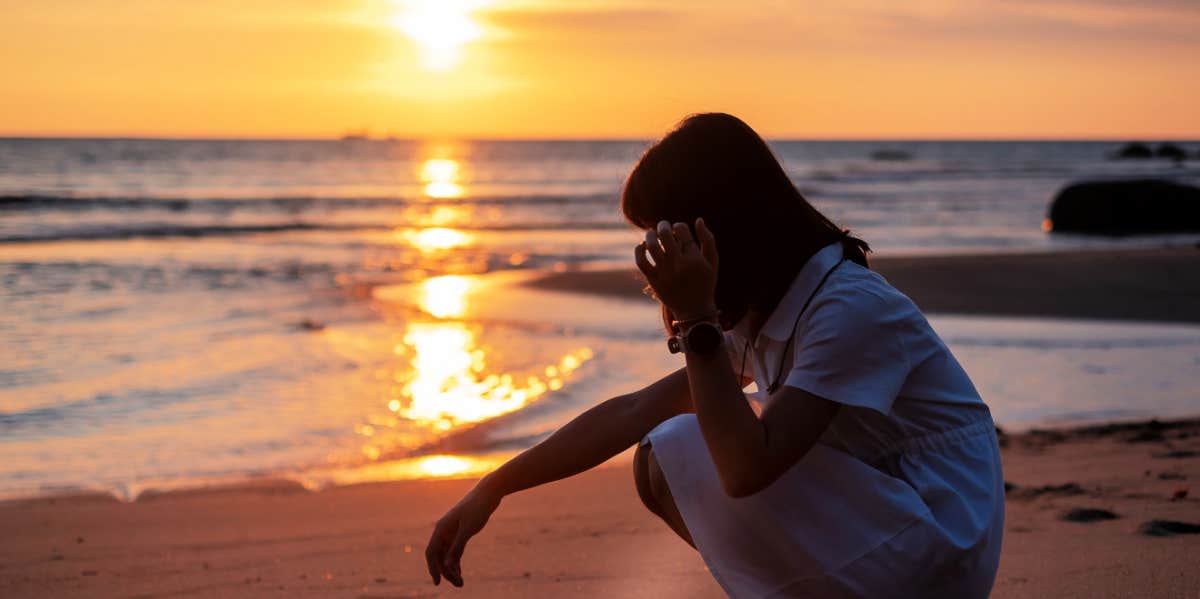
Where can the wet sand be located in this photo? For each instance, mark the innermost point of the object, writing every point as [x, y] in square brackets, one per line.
[1141, 284]
[583, 537]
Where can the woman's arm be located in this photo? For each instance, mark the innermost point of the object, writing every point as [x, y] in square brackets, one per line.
[749, 451]
[594, 436]
[587, 441]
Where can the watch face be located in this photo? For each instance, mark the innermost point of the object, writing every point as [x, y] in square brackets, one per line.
[704, 338]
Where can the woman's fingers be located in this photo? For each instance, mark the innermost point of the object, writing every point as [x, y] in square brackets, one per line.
[453, 561]
[708, 243]
[667, 238]
[667, 242]
[433, 554]
[643, 262]
[683, 235]
[654, 247]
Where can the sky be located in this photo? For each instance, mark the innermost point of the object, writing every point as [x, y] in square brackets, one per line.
[921, 69]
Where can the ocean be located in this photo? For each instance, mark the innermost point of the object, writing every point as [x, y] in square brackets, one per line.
[187, 312]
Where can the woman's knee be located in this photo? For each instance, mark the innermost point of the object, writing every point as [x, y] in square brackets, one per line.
[655, 493]
[642, 459]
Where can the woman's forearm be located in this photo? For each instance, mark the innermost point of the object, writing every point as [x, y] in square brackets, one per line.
[732, 431]
[592, 437]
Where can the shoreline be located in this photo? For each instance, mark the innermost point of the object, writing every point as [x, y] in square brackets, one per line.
[283, 483]
[588, 535]
[1151, 285]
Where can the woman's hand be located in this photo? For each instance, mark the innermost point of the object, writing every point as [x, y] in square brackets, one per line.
[444, 552]
[684, 272]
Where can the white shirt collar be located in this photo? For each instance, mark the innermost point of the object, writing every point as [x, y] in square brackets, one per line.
[778, 325]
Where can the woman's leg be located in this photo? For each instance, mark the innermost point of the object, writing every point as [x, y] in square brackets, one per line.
[652, 487]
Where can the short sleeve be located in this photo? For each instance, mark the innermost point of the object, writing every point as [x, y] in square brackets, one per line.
[851, 351]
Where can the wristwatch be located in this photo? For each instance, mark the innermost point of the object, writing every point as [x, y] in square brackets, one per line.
[703, 338]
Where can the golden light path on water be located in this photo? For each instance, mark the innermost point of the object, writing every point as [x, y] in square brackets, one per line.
[446, 383]
[442, 178]
[450, 385]
[433, 239]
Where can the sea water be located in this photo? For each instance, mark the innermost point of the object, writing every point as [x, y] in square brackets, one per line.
[188, 312]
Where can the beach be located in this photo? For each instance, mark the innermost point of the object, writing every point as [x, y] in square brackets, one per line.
[589, 535]
[280, 284]
[586, 536]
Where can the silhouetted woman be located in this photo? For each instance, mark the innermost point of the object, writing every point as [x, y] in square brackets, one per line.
[863, 464]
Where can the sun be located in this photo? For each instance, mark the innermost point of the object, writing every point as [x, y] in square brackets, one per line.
[440, 28]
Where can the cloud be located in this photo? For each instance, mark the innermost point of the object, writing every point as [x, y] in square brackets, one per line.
[1156, 21]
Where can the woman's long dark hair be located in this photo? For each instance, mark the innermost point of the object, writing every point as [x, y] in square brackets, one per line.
[714, 166]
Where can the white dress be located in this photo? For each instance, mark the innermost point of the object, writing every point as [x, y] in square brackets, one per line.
[902, 496]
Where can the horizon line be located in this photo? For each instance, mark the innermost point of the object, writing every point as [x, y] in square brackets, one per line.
[615, 139]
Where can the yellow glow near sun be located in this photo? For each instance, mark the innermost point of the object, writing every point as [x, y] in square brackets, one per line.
[440, 28]
[442, 178]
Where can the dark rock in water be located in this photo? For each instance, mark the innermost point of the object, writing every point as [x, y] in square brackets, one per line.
[1135, 150]
[1166, 528]
[1081, 514]
[1125, 208]
[1171, 151]
[891, 155]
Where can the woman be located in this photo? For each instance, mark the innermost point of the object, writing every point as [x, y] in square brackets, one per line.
[863, 464]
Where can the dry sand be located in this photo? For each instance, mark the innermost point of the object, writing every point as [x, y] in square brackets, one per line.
[582, 537]
[589, 536]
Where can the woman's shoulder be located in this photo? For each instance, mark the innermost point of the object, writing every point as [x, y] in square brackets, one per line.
[857, 291]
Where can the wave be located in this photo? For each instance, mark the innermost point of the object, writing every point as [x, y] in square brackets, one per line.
[161, 230]
[51, 203]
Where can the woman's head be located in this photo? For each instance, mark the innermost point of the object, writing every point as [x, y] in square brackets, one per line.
[714, 166]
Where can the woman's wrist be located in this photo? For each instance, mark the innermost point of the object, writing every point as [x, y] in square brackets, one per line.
[491, 485]
[698, 313]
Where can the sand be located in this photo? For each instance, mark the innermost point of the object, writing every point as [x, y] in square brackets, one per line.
[583, 537]
[589, 536]
[1152, 284]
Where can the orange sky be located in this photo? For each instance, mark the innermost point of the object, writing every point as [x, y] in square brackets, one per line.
[601, 68]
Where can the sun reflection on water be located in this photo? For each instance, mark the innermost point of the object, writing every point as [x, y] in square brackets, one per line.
[431, 466]
[434, 239]
[447, 383]
[443, 465]
[442, 178]
[445, 296]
